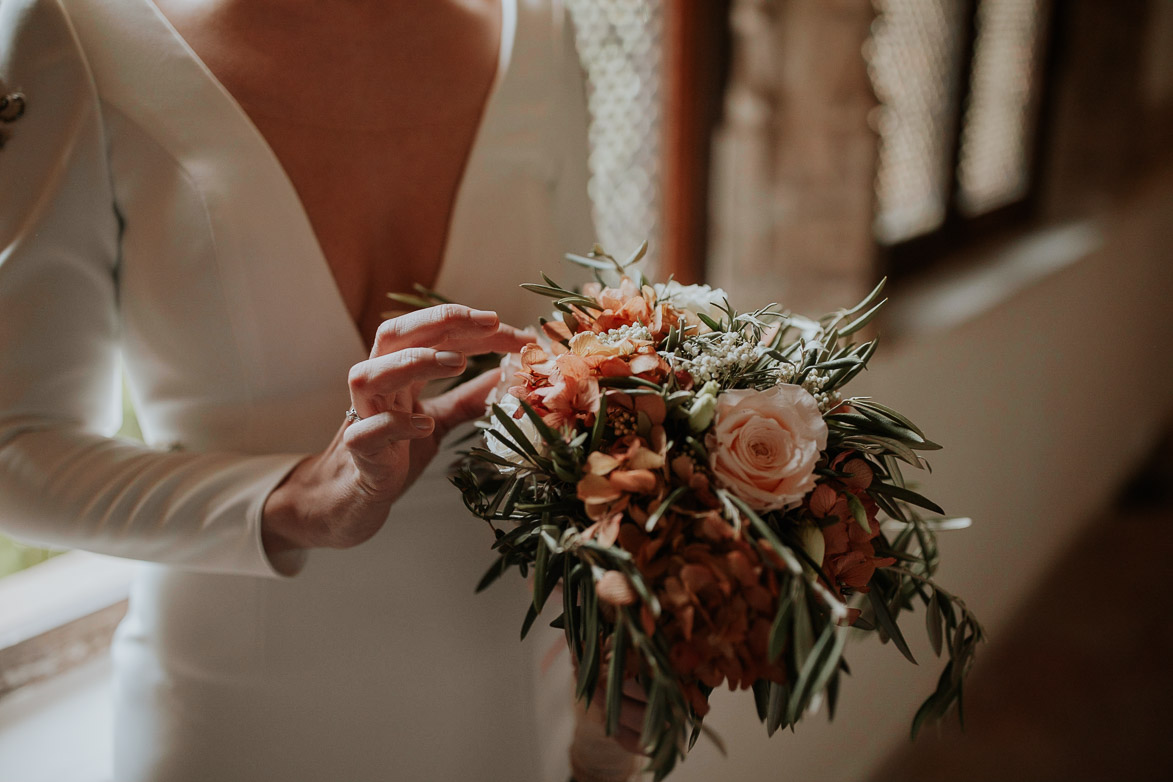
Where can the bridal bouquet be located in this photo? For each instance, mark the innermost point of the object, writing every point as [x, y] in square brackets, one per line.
[714, 509]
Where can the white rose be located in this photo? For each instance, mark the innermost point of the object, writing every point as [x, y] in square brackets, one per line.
[510, 366]
[692, 298]
[510, 405]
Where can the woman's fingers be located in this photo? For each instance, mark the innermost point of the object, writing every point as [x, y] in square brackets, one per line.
[632, 713]
[372, 445]
[450, 327]
[507, 339]
[369, 438]
[630, 741]
[634, 690]
[433, 326]
[463, 403]
[633, 705]
[631, 723]
[632, 710]
[375, 382]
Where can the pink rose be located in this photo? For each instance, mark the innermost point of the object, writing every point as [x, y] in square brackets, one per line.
[764, 444]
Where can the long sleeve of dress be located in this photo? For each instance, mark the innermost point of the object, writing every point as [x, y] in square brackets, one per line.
[63, 480]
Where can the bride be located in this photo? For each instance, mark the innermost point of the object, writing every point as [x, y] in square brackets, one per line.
[215, 196]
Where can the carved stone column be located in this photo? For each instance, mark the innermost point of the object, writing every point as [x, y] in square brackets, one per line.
[795, 158]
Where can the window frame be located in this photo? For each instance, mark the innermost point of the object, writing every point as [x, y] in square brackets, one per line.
[697, 50]
[59, 614]
[913, 256]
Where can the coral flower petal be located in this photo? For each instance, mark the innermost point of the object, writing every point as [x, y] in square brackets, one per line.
[599, 463]
[614, 589]
[633, 481]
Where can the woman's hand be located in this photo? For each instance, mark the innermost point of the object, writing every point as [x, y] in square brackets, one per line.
[597, 757]
[340, 497]
[633, 707]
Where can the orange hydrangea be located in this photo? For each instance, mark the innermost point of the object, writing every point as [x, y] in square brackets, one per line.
[849, 558]
[629, 479]
[717, 600]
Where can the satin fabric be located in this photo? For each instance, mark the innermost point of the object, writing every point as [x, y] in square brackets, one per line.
[146, 225]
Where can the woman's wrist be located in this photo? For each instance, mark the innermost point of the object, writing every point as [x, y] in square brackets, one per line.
[321, 504]
[284, 526]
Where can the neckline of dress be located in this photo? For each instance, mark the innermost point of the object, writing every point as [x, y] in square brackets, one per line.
[283, 182]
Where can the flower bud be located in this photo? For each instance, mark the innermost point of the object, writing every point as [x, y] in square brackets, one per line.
[704, 406]
[813, 542]
[614, 589]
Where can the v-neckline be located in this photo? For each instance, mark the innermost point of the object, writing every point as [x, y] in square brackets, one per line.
[283, 182]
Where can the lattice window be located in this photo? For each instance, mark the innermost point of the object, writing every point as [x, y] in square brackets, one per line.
[995, 142]
[915, 59]
[621, 46]
[959, 83]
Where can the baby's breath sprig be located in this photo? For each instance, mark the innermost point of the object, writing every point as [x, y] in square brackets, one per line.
[720, 356]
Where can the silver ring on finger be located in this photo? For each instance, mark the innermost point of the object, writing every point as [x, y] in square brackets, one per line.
[352, 416]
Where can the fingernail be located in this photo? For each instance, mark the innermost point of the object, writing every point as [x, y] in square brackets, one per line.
[484, 317]
[449, 358]
[422, 422]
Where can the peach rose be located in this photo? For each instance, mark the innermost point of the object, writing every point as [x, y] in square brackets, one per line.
[764, 444]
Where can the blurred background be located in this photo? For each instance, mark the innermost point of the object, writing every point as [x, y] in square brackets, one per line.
[1006, 164]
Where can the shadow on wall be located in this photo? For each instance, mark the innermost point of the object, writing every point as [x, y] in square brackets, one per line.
[1077, 688]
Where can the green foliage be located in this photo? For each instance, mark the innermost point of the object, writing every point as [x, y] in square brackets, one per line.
[15, 557]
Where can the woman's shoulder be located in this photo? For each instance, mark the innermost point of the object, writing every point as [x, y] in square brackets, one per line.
[41, 58]
[36, 32]
[72, 40]
[55, 23]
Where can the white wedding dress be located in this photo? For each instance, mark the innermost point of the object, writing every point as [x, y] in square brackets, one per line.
[145, 222]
